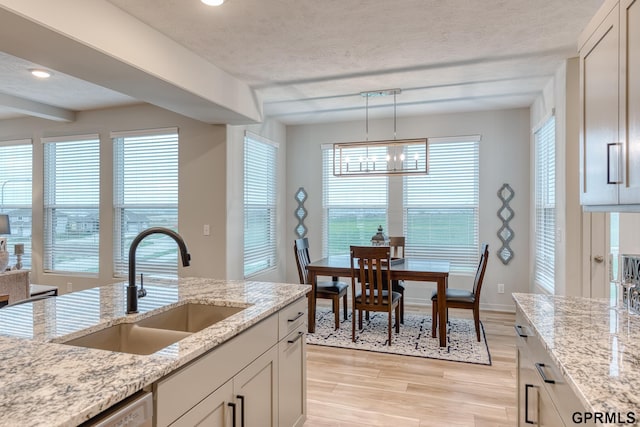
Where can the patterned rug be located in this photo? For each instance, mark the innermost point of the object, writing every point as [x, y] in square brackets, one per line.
[414, 338]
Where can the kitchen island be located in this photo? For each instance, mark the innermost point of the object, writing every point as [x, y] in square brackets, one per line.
[46, 382]
[592, 351]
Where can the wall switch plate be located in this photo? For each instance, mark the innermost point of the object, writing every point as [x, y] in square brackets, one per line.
[206, 230]
[501, 288]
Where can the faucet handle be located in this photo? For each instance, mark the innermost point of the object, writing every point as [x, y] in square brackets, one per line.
[142, 292]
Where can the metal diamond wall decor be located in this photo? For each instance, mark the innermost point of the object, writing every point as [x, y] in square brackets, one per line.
[300, 213]
[506, 214]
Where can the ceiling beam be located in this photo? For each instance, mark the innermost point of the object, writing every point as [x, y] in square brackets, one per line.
[97, 42]
[36, 109]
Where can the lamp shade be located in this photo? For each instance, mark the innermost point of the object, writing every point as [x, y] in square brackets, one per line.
[5, 227]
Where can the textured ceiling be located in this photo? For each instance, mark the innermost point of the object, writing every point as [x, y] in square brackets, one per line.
[308, 60]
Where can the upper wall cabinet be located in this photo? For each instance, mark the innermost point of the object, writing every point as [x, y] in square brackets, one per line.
[610, 100]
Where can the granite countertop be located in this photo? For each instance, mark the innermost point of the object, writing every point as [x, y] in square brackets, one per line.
[595, 345]
[43, 382]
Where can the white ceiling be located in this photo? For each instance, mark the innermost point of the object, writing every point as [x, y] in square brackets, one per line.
[308, 60]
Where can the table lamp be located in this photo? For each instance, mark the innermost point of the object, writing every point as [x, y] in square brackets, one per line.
[19, 251]
[5, 228]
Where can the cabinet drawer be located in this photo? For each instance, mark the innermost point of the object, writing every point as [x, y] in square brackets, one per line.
[292, 317]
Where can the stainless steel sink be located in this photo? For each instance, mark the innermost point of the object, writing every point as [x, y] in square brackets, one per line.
[130, 338]
[189, 317]
[158, 331]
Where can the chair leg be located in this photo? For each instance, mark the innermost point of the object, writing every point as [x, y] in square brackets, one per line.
[360, 319]
[434, 318]
[353, 324]
[336, 311]
[345, 307]
[476, 320]
[389, 327]
[398, 318]
[401, 305]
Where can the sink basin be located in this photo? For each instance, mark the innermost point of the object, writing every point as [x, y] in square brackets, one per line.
[189, 317]
[158, 331]
[130, 338]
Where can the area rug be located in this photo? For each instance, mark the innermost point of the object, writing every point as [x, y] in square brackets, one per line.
[414, 338]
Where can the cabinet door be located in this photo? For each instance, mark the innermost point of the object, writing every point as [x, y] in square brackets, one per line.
[213, 411]
[600, 148]
[256, 391]
[535, 407]
[630, 98]
[292, 386]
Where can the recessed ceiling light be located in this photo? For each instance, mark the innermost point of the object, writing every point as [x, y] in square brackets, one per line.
[41, 74]
[212, 2]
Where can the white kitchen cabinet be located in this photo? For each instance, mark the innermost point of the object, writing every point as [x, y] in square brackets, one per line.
[610, 101]
[544, 397]
[241, 379]
[292, 378]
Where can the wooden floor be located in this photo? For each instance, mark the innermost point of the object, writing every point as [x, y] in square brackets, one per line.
[361, 388]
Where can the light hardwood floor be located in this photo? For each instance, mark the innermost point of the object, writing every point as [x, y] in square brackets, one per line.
[360, 388]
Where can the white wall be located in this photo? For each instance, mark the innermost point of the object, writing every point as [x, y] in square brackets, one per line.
[276, 132]
[504, 158]
[202, 176]
[561, 95]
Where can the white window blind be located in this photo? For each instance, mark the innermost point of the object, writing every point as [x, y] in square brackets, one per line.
[260, 204]
[441, 208]
[545, 204]
[353, 206]
[15, 194]
[71, 204]
[145, 195]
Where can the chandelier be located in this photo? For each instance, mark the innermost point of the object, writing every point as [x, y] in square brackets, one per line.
[387, 157]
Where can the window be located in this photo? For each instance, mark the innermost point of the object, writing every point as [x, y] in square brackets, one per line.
[15, 193]
[353, 207]
[260, 198]
[441, 208]
[545, 205]
[145, 195]
[71, 204]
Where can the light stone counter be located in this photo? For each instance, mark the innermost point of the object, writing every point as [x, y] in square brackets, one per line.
[43, 383]
[595, 345]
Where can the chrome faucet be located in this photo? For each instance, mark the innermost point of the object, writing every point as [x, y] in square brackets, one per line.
[132, 289]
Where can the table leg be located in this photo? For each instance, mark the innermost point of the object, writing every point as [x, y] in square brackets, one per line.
[311, 324]
[442, 312]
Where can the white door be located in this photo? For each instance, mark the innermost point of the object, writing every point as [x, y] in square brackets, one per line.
[595, 258]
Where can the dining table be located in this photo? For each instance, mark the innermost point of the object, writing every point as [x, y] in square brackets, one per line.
[414, 269]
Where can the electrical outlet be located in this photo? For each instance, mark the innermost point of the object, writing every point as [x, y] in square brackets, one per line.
[69, 287]
[206, 230]
[501, 288]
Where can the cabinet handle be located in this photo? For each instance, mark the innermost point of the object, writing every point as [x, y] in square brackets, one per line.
[241, 399]
[539, 367]
[526, 404]
[300, 314]
[520, 331]
[617, 146]
[233, 416]
[300, 335]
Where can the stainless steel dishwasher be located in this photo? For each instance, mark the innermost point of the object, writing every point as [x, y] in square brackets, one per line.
[135, 411]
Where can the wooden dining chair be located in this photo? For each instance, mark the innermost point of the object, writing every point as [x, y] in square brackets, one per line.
[333, 290]
[370, 285]
[396, 245]
[462, 298]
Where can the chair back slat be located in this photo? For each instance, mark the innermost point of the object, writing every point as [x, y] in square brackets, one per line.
[301, 249]
[370, 275]
[482, 266]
